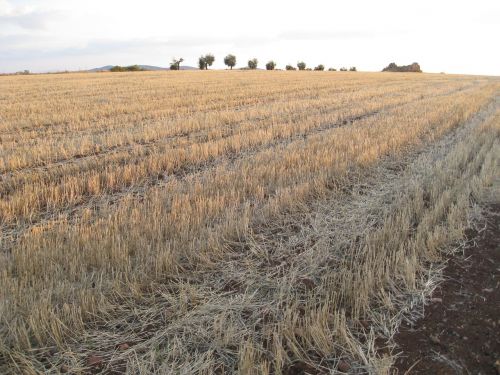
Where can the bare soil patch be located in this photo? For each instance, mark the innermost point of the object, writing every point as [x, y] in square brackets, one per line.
[459, 333]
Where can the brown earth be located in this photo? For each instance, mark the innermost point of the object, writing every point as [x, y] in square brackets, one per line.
[460, 331]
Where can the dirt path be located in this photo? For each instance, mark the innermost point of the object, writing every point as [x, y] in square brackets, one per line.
[460, 332]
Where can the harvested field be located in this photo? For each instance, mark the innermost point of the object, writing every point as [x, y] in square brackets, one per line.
[230, 222]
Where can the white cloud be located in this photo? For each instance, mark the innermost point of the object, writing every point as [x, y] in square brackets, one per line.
[23, 17]
[71, 34]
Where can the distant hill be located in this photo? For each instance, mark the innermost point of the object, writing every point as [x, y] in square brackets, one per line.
[107, 68]
[187, 67]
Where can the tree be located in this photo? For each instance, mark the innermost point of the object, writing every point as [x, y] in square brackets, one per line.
[230, 60]
[301, 65]
[176, 64]
[289, 67]
[320, 67]
[209, 60]
[271, 65]
[343, 69]
[202, 64]
[352, 69]
[133, 68]
[332, 69]
[252, 64]
[205, 61]
[117, 68]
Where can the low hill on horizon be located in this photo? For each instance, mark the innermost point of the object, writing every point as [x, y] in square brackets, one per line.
[107, 68]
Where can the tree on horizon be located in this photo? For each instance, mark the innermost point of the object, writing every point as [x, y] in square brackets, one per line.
[252, 64]
[271, 65]
[176, 64]
[205, 61]
[230, 60]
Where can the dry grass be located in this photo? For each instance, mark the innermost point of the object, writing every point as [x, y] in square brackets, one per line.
[229, 221]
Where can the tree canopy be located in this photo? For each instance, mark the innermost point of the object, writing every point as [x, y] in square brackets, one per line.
[271, 65]
[230, 60]
[252, 64]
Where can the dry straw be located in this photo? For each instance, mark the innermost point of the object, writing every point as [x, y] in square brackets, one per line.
[229, 223]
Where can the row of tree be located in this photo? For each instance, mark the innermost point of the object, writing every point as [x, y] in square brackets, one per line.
[131, 68]
[302, 66]
[230, 60]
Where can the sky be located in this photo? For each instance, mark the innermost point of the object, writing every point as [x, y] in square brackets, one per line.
[443, 36]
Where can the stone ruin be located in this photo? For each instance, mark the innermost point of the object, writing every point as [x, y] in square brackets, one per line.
[392, 67]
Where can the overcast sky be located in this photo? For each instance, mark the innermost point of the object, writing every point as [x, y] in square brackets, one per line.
[451, 36]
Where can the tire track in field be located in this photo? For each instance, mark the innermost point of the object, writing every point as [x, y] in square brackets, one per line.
[214, 108]
[9, 181]
[12, 232]
[231, 129]
[133, 129]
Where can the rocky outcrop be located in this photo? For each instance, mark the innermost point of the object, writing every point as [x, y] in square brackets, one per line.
[392, 67]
